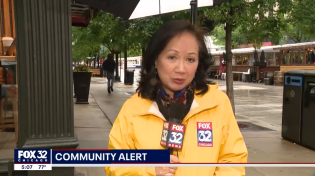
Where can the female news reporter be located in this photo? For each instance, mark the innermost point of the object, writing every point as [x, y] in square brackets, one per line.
[174, 70]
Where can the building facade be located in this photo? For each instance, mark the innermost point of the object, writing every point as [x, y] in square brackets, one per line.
[36, 75]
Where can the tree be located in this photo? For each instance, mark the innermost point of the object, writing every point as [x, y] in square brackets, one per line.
[108, 31]
[141, 30]
[225, 14]
[238, 36]
[249, 18]
[82, 46]
[104, 30]
[300, 20]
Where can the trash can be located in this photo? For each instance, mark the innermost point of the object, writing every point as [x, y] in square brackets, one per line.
[268, 81]
[299, 107]
[129, 77]
[308, 119]
[292, 106]
[269, 78]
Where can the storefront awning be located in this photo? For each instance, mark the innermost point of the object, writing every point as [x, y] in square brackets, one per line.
[295, 46]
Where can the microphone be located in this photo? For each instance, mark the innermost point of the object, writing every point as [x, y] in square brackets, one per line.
[173, 131]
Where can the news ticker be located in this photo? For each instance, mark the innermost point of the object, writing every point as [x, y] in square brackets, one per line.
[28, 159]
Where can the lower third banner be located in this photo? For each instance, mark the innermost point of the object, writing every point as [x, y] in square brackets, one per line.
[110, 156]
[28, 159]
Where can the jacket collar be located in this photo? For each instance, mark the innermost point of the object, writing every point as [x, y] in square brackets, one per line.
[200, 103]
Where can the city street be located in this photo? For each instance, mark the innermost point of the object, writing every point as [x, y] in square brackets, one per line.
[258, 112]
[51, 48]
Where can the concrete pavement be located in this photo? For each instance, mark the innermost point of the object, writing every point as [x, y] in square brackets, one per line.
[256, 104]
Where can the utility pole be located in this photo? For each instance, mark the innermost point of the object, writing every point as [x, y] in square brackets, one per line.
[194, 12]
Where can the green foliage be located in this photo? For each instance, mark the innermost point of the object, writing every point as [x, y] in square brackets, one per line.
[238, 37]
[110, 30]
[300, 20]
[142, 29]
[249, 20]
[118, 35]
[250, 25]
[83, 44]
[104, 30]
[82, 68]
[286, 18]
[115, 34]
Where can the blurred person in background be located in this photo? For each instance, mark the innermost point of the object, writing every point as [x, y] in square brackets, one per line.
[109, 66]
[174, 69]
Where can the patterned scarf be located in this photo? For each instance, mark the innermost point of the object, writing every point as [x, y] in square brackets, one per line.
[178, 97]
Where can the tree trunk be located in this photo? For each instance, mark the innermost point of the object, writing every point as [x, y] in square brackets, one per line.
[229, 74]
[117, 74]
[94, 61]
[98, 60]
[125, 64]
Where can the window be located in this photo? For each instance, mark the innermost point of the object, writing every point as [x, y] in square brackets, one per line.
[295, 60]
[238, 60]
[286, 59]
[242, 60]
[217, 60]
[270, 59]
[245, 60]
[276, 59]
[251, 60]
[302, 56]
[310, 58]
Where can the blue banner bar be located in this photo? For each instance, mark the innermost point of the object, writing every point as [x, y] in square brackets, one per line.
[110, 156]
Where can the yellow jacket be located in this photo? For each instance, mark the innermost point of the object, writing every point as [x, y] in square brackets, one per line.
[139, 126]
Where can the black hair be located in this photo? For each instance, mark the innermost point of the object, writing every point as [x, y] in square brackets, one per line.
[148, 86]
[110, 56]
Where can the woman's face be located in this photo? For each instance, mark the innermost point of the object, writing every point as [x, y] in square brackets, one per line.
[178, 62]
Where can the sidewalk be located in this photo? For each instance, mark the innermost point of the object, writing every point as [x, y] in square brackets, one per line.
[260, 121]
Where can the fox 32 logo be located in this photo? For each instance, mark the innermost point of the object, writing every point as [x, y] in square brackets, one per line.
[31, 156]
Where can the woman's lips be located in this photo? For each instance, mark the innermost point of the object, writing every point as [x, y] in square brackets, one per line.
[178, 81]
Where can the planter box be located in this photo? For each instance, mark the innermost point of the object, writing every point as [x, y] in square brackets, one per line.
[82, 82]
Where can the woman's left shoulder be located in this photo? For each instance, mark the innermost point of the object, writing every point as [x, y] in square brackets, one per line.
[215, 94]
[214, 97]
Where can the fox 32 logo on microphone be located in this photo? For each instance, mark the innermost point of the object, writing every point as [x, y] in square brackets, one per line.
[176, 136]
[32, 156]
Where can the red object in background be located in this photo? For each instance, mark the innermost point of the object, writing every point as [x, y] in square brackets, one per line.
[101, 61]
[80, 21]
[251, 45]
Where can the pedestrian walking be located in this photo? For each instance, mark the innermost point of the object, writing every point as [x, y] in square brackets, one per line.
[109, 66]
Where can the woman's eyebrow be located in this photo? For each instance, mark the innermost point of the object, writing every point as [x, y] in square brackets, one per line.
[193, 53]
[173, 50]
[178, 52]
